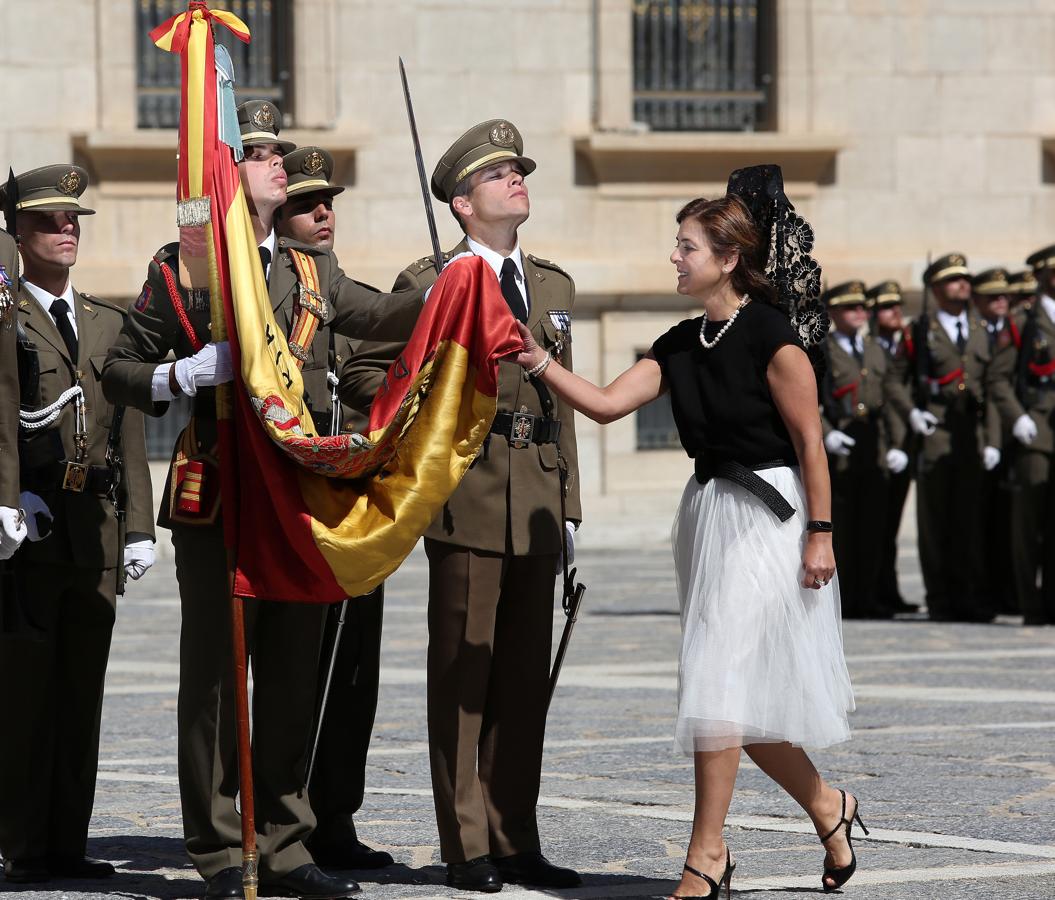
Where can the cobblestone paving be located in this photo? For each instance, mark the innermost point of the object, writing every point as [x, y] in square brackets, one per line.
[952, 755]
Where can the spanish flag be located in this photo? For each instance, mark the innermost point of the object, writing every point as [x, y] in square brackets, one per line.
[310, 518]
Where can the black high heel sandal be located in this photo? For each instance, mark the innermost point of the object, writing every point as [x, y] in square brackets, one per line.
[840, 875]
[726, 879]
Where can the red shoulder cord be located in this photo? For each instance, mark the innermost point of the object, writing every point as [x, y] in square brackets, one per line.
[177, 304]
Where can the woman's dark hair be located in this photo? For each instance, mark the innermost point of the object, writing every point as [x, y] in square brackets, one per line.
[728, 227]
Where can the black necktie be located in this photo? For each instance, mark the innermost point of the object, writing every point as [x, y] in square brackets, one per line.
[265, 261]
[961, 338]
[859, 354]
[60, 312]
[511, 292]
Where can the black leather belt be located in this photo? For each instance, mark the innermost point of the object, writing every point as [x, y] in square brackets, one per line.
[523, 429]
[745, 476]
[71, 476]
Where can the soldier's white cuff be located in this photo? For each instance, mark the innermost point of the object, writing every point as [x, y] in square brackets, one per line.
[159, 384]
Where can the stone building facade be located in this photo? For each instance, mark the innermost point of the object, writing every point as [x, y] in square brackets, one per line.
[902, 125]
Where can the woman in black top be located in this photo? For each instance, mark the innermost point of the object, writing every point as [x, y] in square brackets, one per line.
[761, 665]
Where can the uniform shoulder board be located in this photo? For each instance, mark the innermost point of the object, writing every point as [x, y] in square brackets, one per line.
[106, 304]
[169, 251]
[547, 264]
[426, 262]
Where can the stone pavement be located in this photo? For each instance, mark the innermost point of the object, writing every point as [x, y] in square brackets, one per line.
[952, 755]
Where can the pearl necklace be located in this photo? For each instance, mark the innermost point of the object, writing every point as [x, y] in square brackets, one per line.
[709, 345]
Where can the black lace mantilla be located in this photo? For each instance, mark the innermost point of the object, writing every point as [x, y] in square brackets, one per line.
[794, 274]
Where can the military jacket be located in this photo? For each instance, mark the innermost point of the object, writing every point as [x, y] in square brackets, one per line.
[857, 397]
[9, 392]
[955, 390]
[1022, 376]
[509, 500]
[85, 528]
[153, 330]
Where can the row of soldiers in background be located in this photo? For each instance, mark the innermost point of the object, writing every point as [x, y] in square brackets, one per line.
[963, 401]
[493, 550]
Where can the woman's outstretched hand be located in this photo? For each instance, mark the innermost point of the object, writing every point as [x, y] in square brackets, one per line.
[532, 354]
[818, 560]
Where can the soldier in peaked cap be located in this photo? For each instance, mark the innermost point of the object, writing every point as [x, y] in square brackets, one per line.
[1022, 385]
[992, 300]
[495, 546]
[885, 303]
[282, 638]
[1022, 286]
[338, 783]
[947, 362]
[90, 468]
[857, 437]
[991, 292]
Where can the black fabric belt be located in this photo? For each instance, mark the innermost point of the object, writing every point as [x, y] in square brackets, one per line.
[745, 476]
[525, 428]
[58, 476]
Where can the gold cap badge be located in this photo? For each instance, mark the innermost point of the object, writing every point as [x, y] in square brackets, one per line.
[502, 135]
[313, 163]
[70, 183]
[264, 118]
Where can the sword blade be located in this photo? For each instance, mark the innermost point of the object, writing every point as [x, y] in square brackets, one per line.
[425, 195]
[565, 638]
[326, 691]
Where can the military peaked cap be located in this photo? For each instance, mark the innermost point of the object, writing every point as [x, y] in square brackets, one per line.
[51, 189]
[1042, 259]
[259, 121]
[990, 283]
[1024, 283]
[309, 170]
[493, 141]
[952, 265]
[886, 293]
[849, 293]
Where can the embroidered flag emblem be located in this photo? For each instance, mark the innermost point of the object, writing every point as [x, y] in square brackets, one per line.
[144, 297]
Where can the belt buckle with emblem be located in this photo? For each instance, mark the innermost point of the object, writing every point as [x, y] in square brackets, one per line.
[521, 429]
[76, 477]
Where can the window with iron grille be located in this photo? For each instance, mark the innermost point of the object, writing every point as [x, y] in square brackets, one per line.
[262, 68]
[655, 424]
[704, 65]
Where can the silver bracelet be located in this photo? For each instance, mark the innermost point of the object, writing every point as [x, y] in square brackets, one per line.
[537, 370]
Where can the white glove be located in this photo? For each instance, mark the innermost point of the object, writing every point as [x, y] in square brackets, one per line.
[571, 548]
[922, 422]
[32, 505]
[208, 367]
[12, 531]
[896, 460]
[1024, 430]
[838, 444]
[990, 458]
[139, 556]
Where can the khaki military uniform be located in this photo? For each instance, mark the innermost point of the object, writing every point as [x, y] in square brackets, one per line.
[493, 553]
[56, 642]
[9, 390]
[949, 475]
[897, 394]
[856, 405]
[1020, 383]
[282, 638]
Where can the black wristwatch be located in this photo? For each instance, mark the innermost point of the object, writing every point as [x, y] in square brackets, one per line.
[818, 525]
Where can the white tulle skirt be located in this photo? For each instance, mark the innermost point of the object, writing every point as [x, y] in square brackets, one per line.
[761, 656]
